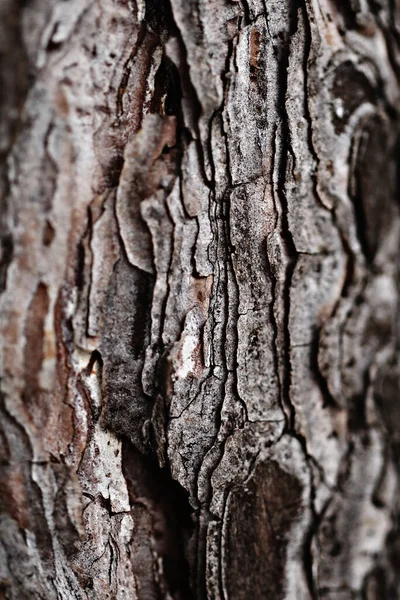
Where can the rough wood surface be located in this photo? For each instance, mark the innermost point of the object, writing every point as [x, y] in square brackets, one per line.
[200, 299]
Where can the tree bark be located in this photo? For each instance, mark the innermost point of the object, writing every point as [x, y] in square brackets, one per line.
[199, 299]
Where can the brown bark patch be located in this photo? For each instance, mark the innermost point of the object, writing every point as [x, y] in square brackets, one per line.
[255, 43]
[260, 517]
[34, 345]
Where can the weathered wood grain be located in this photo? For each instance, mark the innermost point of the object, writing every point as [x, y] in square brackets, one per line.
[199, 299]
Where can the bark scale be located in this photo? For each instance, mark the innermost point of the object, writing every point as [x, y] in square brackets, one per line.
[200, 299]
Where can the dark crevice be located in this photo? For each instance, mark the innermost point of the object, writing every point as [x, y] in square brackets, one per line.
[83, 265]
[167, 97]
[94, 358]
[357, 407]
[153, 490]
[291, 253]
[6, 256]
[14, 84]
[160, 20]
[80, 266]
[346, 11]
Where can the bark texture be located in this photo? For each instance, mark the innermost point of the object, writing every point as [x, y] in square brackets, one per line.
[200, 298]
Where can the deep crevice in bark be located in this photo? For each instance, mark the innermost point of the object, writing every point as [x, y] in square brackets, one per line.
[171, 516]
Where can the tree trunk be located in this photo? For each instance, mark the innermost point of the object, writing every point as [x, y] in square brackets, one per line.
[200, 299]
